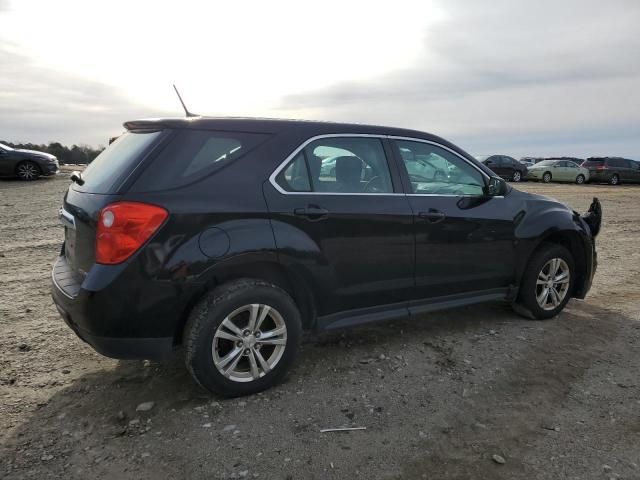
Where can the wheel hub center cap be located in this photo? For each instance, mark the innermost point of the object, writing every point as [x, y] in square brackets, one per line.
[249, 341]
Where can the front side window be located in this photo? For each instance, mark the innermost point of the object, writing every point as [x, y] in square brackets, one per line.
[339, 165]
[434, 170]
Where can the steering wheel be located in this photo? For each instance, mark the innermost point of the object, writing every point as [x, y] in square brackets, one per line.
[439, 176]
[418, 178]
[373, 185]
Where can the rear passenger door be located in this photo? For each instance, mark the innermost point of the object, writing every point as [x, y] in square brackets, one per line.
[342, 223]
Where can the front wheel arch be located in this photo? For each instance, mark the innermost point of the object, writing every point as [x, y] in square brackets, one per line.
[573, 242]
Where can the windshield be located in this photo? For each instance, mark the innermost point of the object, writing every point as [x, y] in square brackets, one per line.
[546, 163]
[116, 161]
[5, 147]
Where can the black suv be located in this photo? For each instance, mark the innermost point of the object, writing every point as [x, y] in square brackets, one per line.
[26, 164]
[505, 167]
[613, 170]
[227, 237]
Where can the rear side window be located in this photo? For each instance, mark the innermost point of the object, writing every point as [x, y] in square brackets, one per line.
[338, 165]
[190, 155]
[115, 162]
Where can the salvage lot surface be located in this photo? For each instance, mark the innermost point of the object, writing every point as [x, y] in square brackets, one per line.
[439, 396]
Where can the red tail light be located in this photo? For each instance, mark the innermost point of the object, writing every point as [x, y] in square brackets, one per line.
[123, 227]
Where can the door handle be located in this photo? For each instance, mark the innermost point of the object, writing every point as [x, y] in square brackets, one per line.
[312, 213]
[432, 216]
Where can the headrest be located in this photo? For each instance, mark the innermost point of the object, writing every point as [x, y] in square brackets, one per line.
[348, 169]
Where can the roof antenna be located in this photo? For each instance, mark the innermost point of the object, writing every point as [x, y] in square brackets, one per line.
[186, 111]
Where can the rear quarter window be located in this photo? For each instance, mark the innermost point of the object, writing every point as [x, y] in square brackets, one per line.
[191, 155]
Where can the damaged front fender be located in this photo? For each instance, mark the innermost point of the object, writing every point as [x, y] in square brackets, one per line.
[593, 217]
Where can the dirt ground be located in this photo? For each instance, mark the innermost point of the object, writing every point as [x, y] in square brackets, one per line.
[439, 397]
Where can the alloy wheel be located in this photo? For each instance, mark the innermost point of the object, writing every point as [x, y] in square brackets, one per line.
[580, 180]
[546, 178]
[553, 283]
[249, 342]
[27, 171]
[614, 180]
[517, 176]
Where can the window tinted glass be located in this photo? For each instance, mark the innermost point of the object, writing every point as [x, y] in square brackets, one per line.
[295, 178]
[594, 162]
[191, 155]
[434, 170]
[616, 162]
[115, 162]
[342, 165]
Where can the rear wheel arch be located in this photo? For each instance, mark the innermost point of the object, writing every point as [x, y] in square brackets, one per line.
[267, 271]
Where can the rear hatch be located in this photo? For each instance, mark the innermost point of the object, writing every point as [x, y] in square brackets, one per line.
[595, 165]
[100, 184]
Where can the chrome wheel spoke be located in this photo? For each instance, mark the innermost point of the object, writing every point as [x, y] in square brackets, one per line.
[273, 341]
[255, 372]
[232, 326]
[232, 357]
[262, 361]
[227, 336]
[263, 315]
[272, 333]
[543, 297]
[562, 278]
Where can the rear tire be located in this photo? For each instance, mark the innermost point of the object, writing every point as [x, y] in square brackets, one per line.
[545, 289]
[28, 171]
[546, 178]
[615, 180]
[228, 355]
[580, 179]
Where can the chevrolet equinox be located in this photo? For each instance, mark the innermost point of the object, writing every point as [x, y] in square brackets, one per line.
[230, 237]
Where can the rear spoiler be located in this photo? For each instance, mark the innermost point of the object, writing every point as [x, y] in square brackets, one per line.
[593, 217]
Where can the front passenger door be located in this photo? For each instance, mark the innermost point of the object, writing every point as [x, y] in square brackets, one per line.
[464, 238]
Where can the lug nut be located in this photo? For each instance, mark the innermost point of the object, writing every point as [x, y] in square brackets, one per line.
[257, 334]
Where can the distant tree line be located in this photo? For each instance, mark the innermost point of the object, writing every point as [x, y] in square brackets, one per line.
[74, 154]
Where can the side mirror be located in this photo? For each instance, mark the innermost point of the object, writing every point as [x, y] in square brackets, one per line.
[496, 187]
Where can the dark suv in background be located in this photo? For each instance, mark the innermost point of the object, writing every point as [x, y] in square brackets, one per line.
[613, 170]
[506, 167]
[227, 237]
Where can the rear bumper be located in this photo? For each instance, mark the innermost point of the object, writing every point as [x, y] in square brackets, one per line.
[114, 325]
[121, 348]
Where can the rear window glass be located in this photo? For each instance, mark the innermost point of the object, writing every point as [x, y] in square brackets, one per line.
[594, 163]
[190, 155]
[115, 162]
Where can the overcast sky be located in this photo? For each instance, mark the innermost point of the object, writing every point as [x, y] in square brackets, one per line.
[535, 77]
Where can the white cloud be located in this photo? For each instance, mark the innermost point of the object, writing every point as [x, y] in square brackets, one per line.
[521, 77]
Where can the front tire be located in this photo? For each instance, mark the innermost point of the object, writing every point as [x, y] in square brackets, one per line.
[517, 176]
[547, 282]
[28, 171]
[580, 179]
[242, 337]
[546, 178]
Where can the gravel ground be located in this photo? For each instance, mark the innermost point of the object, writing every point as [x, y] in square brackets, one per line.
[474, 392]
